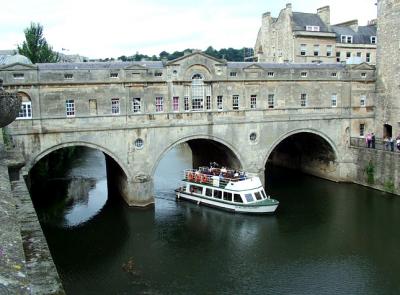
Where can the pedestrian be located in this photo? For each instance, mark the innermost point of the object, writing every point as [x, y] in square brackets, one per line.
[368, 140]
[386, 140]
[373, 140]
[398, 144]
[391, 142]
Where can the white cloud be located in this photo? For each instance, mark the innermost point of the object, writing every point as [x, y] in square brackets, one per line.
[94, 29]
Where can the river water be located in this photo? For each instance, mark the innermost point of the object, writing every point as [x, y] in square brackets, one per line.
[325, 238]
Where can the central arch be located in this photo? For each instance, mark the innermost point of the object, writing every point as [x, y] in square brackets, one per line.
[198, 142]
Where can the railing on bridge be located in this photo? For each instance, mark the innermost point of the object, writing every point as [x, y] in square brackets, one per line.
[380, 144]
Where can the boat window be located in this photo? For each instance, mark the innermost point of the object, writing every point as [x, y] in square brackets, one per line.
[249, 198]
[263, 193]
[217, 194]
[208, 192]
[228, 196]
[237, 198]
[196, 189]
[258, 195]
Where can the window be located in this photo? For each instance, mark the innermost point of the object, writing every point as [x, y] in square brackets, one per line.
[313, 28]
[253, 136]
[68, 76]
[334, 100]
[253, 101]
[26, 110]
[186, 103]
[346, 39]
[157, 74]
[270, 74]
[217, 194]
[258, 195]
[219, 103]
[358, 54]
[348, 54]
[329, 50]
[237, 198]
[263, 194]
[115, 106]
[235, 102]
[208, 192]
[338, 56]
[373, 39]
[175, 104]
[159, 104]
[208, 102]
[303, 74]
[271, 101]
[228, 196]
[303, 100]
[368, 57]
[195, 189]
[18, 76]
[233, 74]
[363, 100]
[362, 129]
[249, 198]
[198, 92]
[139, 143]
[316, 50]
[364, 75]
[70, 107]
[333, 74]
[303, 49]
[113, 75]
[136, 104]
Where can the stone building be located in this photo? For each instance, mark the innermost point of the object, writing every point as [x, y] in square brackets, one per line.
[298, 37]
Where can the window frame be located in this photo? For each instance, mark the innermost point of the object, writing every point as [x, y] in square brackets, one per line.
[25, 110]
[115, 106]
[70, 108]
[235, 102]
[271, 98]
[334, 100]
[136, 105]
[159, 104]
[303, 100]
[253, 101]
[175, 104]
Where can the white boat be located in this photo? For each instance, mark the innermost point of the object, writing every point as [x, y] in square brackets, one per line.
[226, 189]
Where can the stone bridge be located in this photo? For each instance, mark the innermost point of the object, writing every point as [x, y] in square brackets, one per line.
[242, 115]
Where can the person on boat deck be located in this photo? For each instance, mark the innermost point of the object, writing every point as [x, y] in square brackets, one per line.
[235, 174]
[223, 170]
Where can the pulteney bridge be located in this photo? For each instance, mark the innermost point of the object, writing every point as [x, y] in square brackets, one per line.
[242, 115]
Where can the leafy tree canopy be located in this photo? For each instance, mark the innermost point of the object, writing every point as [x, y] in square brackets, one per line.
[35, 46]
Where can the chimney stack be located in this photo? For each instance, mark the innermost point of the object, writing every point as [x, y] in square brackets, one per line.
[325, 14]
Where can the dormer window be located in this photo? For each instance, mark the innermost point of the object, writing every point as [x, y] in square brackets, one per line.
[18, 76]
[346, 39]
[157, 74]
[313, 28]
[363, 75]
[233, 74]
[271, 74]
[113, 75]
[68, 76]
[373, 39]
[303, 74]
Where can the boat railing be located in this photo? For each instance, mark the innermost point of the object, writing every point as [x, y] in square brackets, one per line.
[215, 176]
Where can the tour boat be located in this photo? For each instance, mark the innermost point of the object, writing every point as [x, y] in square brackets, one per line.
[226, 189]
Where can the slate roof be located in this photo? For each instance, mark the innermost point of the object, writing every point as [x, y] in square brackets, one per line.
[362, 36]
[301, 20]
[241, 65]
[98, 65]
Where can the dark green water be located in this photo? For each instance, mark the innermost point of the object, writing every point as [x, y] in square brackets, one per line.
[325, 238]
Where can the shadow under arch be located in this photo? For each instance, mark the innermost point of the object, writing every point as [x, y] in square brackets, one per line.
[48, 151]
[229, 148]
[308, 150]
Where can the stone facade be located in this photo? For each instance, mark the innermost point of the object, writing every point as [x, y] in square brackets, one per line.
[298, 37]
[388, 71]
[135, 112]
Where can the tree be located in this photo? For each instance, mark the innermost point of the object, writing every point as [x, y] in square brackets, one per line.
[35, 46]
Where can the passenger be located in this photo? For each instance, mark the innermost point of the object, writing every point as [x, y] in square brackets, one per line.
[223, 169]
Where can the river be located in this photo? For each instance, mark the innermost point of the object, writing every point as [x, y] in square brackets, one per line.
[325, 238]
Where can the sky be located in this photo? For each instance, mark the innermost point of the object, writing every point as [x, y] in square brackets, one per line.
[100, 29]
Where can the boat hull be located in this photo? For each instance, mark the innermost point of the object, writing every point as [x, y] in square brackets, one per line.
[248, 209]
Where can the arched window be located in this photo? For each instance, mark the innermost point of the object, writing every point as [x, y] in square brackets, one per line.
[26, 106]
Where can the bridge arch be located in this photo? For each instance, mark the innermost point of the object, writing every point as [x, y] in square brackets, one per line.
[233, 152]
[42, 154]
[309, 150]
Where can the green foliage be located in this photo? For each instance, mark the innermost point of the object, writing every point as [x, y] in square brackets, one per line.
[7, 139]
[35, 46]
[389, 186]
[230, 54]
[370, 170]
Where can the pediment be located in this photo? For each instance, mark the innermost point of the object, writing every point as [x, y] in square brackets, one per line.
[136, 68]
[18, 67]
[363, 66]
[253, 67]
[194, 58]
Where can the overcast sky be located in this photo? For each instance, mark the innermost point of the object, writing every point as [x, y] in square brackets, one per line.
[123, 27]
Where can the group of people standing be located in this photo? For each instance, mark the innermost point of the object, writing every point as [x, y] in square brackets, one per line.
[389, 142]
